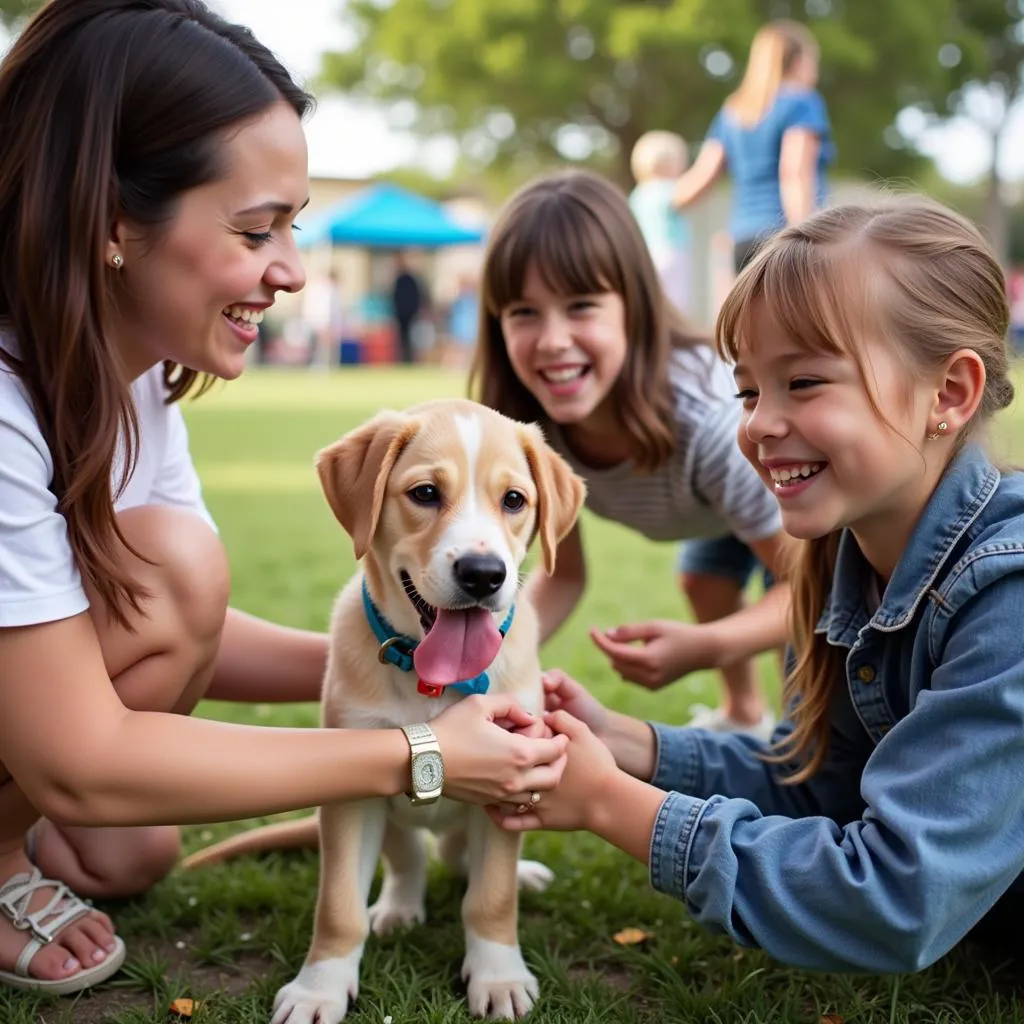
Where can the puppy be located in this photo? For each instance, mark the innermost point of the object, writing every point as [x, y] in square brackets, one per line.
[441, 503]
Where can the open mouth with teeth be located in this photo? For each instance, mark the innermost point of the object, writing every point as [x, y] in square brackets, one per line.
[790, 476]
[561, 375]
[458, 643]
[244, 316]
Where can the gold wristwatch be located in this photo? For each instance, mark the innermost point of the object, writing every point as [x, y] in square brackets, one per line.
[427, 765]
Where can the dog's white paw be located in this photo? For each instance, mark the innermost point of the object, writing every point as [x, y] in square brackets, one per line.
[321, 993]
[532, 875]
[499, 985]
[391, 913]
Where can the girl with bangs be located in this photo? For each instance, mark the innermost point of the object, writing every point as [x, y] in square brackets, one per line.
[886, 821]
[577, 334]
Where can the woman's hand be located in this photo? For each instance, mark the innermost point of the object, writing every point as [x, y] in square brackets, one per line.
[576, 802]
[496, 751]
[563, 693]
[666, 651]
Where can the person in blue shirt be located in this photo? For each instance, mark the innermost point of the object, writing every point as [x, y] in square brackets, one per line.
[774, 138]
[885, 820]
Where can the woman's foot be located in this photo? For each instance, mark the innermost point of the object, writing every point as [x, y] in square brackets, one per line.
[84, 942]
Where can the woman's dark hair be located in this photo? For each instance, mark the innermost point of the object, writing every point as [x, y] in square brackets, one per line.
[109, 109]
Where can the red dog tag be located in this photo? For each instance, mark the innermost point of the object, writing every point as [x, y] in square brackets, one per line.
[428, 689]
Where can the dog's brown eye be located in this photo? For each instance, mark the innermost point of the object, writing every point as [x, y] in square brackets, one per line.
[514, 501]
[425, 494]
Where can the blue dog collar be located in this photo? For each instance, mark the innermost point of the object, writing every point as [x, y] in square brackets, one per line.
[397, 649]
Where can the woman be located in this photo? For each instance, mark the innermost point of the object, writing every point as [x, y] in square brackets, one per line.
[153, 164]
[773, 136]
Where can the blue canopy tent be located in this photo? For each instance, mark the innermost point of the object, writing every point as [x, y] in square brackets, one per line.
[385, 216]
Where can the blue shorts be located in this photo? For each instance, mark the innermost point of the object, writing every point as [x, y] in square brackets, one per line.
[726, 556]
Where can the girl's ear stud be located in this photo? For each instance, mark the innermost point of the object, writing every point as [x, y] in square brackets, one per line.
[939, 431]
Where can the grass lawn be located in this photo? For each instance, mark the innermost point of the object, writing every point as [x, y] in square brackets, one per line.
[230, 936]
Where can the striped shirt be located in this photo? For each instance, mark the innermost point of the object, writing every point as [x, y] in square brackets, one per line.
[706, 488]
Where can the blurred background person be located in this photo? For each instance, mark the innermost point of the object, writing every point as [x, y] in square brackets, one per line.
[323, 316]
[657, 161]
[408, 303]
[774, 138]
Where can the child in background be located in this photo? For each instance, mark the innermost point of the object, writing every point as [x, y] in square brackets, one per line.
[887, 820]
[577, 334]
[657, 161]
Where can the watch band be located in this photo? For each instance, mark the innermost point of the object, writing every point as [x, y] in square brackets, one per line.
[419, 734]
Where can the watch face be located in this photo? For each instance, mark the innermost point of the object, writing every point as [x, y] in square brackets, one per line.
[427, 772]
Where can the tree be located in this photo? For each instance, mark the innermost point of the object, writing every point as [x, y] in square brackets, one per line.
[12, 11]
[985, 61]
[523, 80]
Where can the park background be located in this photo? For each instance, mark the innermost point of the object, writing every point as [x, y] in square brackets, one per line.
[460, 101]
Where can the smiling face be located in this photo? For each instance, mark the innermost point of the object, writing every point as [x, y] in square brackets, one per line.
[812, 428]
[194, 291]
[567, 350]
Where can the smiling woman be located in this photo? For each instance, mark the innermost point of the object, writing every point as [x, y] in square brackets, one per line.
[154, 161]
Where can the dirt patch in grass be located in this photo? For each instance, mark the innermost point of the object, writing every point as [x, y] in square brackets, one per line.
[102, 1005]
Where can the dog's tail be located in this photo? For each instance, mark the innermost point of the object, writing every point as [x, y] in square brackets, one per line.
[281, 835]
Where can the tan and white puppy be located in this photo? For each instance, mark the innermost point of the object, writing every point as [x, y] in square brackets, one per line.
[441, 503]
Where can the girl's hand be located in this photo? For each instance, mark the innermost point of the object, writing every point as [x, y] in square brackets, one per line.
[494, 750]
[666, 651]
[563, 693]
[575, 803]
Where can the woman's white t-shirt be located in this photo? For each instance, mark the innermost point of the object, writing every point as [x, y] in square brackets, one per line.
[39, 579]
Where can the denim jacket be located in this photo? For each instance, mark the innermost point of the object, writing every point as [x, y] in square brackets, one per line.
[914, 826]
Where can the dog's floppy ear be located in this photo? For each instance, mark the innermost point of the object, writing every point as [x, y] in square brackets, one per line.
[560, 492]
[354, 472]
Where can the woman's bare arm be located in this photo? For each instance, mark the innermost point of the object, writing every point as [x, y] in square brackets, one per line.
[695, 183]
[262, 662]
[797, 161]
[83, 758]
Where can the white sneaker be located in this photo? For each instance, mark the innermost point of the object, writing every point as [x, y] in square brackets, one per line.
[716, 720]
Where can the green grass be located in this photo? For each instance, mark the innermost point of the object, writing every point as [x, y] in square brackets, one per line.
[231, 935]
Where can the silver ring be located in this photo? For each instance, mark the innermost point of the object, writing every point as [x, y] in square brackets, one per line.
[534, 798]
[522, 808]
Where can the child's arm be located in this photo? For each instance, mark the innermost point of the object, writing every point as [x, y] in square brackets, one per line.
[941, 837]
[702, 763]
[555, 597]
[656, 653]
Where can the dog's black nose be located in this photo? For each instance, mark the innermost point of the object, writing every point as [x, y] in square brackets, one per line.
[480, 575]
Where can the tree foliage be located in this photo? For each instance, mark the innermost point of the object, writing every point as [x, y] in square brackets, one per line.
[522, 80]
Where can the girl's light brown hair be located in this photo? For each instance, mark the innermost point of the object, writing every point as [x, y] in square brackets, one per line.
[577, 230]
[774, 50]
[108, 109]
[905, 270]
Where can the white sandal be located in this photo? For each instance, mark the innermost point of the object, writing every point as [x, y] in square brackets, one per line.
[63, 908]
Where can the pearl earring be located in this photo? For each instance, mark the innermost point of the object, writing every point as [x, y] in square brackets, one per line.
[939, 431]
[117, 260]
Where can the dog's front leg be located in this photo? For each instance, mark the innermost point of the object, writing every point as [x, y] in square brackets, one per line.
[499, 984]
[350, 843]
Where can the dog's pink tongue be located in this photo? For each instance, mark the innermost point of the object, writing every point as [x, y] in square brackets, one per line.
[460, 645]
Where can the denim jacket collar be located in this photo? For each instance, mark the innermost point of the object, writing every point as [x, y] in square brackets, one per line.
[964, 490]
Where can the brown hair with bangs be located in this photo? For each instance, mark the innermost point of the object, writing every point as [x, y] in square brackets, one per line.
[906, 270]
[108, 109]
[577, 229]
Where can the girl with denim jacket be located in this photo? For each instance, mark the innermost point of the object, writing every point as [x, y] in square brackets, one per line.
[886, 819]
